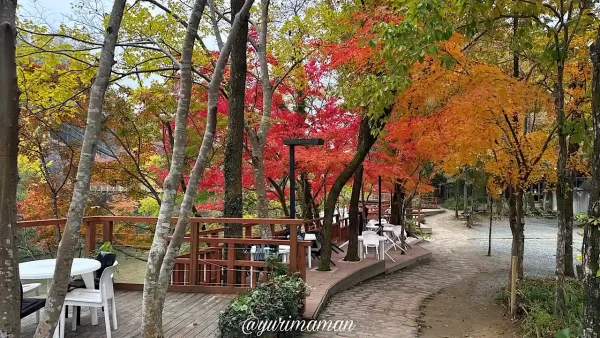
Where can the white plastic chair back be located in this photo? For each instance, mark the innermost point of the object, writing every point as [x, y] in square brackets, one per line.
[397, 230]
[106, 283]
[369, 233]
[371, 241]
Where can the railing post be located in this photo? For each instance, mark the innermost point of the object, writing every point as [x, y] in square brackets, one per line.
[293, 247]
[107, 231]
[230, 263]
[193, 275]
[248, 230]
[90, 238]
[302, 262]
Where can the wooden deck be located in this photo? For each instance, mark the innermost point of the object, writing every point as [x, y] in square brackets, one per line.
[186, 315]
[197, 314]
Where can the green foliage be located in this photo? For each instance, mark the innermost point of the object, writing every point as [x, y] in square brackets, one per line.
[106, 247]
[149, 207]
[282, 297]
[450, 203]
[275, 266]
[538, 308]
[581, 217]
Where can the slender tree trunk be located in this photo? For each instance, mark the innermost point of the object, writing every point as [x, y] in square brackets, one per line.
[280, 192]
[515, 216]
[465, 194]
[456, 198]
[10, 302]
[151, 316]
[521, 231]
[564, 187]
[395, 206]
[591, 235]
[568, 260]
[57, 233]
[258, 138]
[307, 197]
[258, 165]
[364, 147]
[491, 202]
[70, 238]
[166, 265]
[232, 206]
[354, 227]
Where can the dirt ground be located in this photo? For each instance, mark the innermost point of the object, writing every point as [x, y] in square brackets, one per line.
[468, 309]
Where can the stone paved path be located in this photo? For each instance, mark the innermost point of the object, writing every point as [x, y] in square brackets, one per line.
[389, 306]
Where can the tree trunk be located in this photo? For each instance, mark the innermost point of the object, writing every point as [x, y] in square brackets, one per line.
[466, 194]
[307, 198]
[521, 231]
[354, 226]
[151, 307]
[568, 260]
[151, 312]
[258, 138]
[366, 141]
[280, 193]
[70, 238]
[515, 216]
[232, 206]
[166, 265]
[10, 302]
[591, 235]
[564, 187]
[456, 198]
[258, 166]
[395, 207]
[491, 202]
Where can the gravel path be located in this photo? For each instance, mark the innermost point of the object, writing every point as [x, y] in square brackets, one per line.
[389, 306]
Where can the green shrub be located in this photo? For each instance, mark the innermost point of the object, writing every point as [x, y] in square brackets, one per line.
[450, 203]
[537, 308]
[281, 297]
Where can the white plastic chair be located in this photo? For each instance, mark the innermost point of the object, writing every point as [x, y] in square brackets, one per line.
[93, 298]
[33, 287]
[398, 234]
[370, 240]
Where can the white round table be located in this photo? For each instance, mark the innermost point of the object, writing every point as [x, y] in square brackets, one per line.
[44, 269]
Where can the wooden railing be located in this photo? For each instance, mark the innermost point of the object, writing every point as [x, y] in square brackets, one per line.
[428, 203]
[339, 228]
[213, 263]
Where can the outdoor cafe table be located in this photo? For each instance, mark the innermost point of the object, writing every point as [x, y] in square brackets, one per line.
[382, 252]
[387, 228]
[44, 269]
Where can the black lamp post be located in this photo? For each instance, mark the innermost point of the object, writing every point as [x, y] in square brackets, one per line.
[379, 202]
[292, 143]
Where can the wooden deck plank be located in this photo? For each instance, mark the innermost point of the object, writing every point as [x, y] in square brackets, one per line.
[180, 310]
[200, 322]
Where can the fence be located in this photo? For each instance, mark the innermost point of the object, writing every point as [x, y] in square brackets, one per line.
[213, 263]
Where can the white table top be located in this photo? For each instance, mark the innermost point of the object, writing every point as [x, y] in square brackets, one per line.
[386, 227]
[44, 268]
[381, 238]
